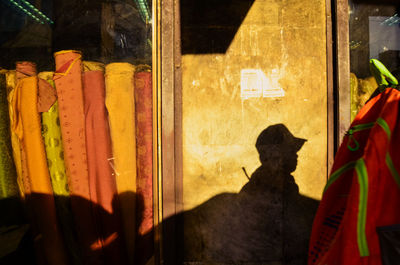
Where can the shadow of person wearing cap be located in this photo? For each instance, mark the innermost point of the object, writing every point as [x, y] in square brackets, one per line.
[267, 222]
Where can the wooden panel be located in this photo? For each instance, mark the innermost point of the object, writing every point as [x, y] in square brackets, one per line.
[330, 86]
[157, 183]
[170, 180]
[343, 67]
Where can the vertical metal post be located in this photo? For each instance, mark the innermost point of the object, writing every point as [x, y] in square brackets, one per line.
[157, 187]
[168, 136]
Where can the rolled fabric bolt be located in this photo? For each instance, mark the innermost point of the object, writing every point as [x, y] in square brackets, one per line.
[8, 174]
[28, 128]
[51, 132]
[10, 189]
[93, 66]
[16, 149]
[68, 83]
[103, 187]
[120, 104]
[144, 137]
[23, 70]
[53, 143]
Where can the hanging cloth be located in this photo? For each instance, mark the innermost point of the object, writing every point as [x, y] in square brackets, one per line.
[68, 83]
[363, 190]
[28, 128]
[103, 188]
[144, 137]
[120, 104]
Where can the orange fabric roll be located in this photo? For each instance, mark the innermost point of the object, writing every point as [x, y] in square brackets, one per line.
[28, 128]
[68, 82]
[103, 188]
[23, 70]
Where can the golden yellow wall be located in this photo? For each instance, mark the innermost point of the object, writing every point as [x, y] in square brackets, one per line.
[287, 41]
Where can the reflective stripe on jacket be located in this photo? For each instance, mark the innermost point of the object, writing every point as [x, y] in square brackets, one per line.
[363, 190]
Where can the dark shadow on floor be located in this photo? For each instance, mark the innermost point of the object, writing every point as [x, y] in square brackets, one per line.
[267, 223]
[25, 232]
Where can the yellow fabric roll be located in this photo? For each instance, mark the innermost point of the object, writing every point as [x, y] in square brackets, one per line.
[361, 89]
[8, 176]
[120, 104]
[10, 80]
[16, 148]
[28, 128]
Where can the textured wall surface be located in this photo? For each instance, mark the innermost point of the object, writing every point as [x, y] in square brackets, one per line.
[285, 40]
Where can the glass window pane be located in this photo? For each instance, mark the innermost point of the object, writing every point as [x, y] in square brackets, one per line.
[374, 34]
[76, 122]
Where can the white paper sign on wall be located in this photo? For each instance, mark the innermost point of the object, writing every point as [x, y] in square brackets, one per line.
[255, 84]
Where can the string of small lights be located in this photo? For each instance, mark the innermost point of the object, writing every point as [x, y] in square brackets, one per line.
[392, 21]
[144, 10]
[37, 11]
[26, 12]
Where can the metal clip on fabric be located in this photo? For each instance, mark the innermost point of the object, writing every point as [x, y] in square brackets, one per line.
[352, 139]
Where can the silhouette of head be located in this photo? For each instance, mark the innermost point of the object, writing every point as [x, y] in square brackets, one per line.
[277, 147]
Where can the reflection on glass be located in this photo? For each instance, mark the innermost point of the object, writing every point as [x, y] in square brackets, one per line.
[374, 34]
[104, 31]
[76, 123]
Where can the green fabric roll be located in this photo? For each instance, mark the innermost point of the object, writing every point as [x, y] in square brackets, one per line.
[51, 132]
[8, 174]
[54, 151]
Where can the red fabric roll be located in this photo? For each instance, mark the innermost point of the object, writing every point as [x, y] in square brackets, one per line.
[68, 82]
[103, 189]
[144, 138]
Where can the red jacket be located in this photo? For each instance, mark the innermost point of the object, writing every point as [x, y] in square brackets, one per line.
[362, 192]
